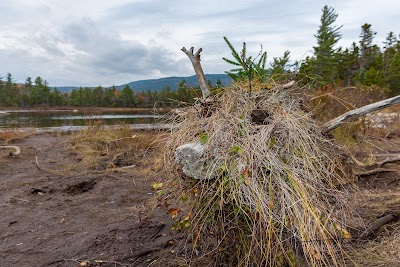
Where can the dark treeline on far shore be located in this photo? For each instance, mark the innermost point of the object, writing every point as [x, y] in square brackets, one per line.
[39, 94]
[363, 64]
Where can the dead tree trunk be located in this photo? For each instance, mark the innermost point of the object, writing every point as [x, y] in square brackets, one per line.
[355, 113]
[195, 59]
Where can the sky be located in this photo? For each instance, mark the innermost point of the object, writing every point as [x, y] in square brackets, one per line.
[106, 42]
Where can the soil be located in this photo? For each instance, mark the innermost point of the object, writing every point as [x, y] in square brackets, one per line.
[55, 215]
[51, 217]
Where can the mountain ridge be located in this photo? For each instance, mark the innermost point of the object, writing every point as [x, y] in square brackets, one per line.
[159, 84]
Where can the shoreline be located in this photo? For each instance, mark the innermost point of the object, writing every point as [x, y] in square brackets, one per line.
[144, 127]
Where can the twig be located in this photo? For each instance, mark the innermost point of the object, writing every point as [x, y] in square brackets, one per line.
[40, 168]
[123, 138]
[125, 167]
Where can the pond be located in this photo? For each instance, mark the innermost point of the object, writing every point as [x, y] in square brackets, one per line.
[72, 118]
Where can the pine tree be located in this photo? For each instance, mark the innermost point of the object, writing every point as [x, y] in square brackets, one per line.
[328, 35]
[389, 51]
[366, 47]
[280, 65]
[393, 77]
[246, 67]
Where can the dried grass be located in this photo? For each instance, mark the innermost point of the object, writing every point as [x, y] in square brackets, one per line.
[275, 201]
[383, 252]
[103, 147]
[8, 136]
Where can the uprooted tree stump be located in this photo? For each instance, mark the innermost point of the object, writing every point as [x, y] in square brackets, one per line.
[267, 178]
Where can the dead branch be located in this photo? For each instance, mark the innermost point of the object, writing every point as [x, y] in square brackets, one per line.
[355, 113]
[195, 59]
[16, 148]
[373, 228]
[373, 171]
[376, 164]
[288, 85]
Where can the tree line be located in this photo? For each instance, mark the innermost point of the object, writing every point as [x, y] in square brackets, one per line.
[363, 63]
[38, 93]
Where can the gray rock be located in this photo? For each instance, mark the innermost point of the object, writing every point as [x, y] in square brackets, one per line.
[190, 156]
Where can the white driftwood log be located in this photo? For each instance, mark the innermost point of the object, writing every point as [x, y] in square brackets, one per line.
[195, 59]
[14, 153]
[355, 113]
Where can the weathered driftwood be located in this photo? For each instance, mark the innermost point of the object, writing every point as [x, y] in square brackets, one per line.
[355, 113]
[14, 153]
[195, 59]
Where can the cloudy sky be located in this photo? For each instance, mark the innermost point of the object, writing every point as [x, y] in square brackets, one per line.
[105, 42]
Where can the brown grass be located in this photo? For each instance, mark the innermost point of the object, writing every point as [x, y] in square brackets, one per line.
[274, 200]
[108, 148]
[8, 136]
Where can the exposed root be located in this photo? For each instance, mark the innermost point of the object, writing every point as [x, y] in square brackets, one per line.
[14, 153]
[373, 228]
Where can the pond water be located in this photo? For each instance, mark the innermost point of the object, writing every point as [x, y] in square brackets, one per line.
[65, 118]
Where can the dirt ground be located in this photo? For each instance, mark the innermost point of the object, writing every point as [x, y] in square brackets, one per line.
[50, 217]
[55, 215]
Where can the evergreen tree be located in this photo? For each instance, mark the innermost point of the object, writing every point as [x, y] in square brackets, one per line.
[245, 67]
[281, 65]
[393, 77]
[389, 51]
[366, 46]
[325, 63]
[126, 97]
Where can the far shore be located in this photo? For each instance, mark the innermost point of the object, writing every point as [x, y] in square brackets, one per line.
[85, 109]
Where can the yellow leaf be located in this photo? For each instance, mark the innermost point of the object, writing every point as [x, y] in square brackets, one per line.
[156, 185]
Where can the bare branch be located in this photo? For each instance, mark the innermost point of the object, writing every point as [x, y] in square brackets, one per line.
[355, 113]
[373, 171]
[373, 228]
[195, 59]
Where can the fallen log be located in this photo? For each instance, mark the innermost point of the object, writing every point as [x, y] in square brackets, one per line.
[358, 112]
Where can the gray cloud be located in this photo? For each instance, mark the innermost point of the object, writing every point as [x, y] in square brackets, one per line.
[112, 42]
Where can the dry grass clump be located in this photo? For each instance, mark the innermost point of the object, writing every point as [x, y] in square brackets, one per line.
[103, 147]
[383, 252]
[8, 136]
[270, 193]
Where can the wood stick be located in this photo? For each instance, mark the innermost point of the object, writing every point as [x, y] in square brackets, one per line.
[374, 171]
[355, 113]
[373, 228]
[195, 59]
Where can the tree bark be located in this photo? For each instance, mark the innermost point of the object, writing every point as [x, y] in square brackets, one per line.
[355, 113]
[195, 59]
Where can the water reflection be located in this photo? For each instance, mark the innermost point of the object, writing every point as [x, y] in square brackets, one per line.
[60, 118]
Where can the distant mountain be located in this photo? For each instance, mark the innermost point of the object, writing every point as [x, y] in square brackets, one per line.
[159, 84]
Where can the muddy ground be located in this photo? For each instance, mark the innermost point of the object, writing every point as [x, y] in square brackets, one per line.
[55, 215]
